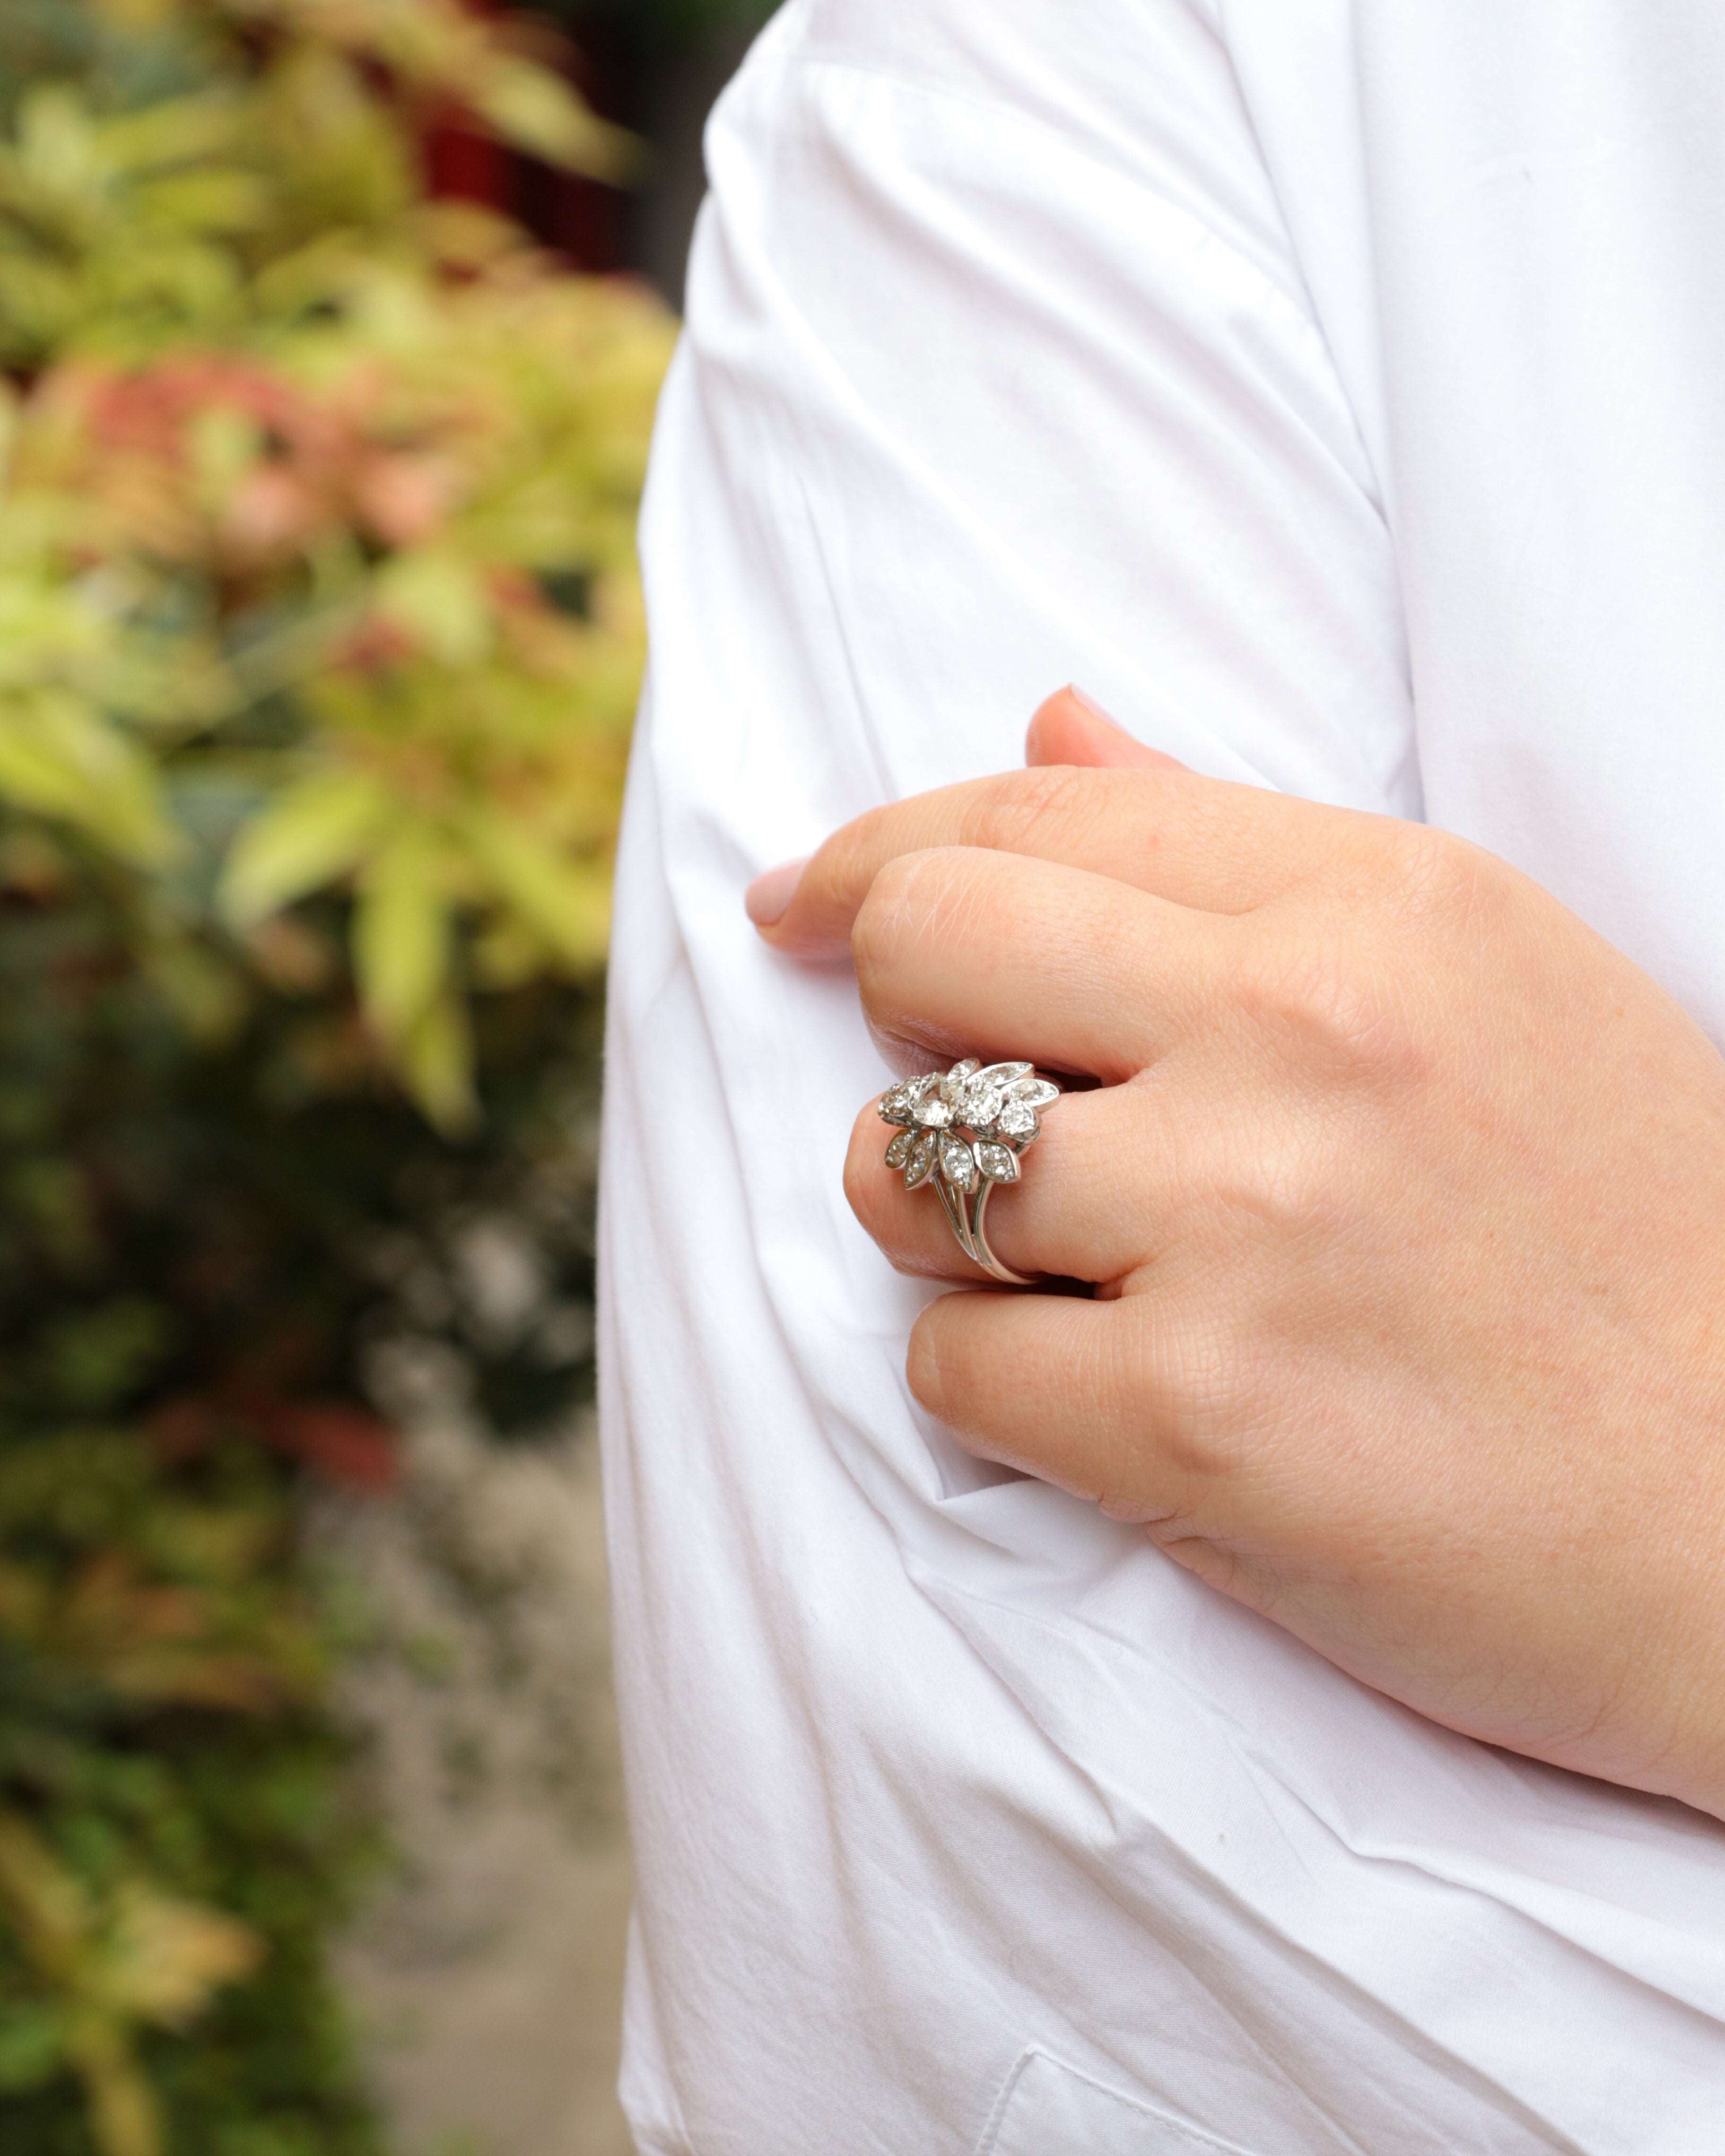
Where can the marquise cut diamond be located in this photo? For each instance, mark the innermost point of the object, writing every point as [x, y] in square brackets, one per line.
[958, 1164]
[920, 1159]
[952, 1084]
[999, 1162]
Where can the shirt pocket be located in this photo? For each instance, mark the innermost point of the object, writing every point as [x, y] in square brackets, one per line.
[1047, 2108]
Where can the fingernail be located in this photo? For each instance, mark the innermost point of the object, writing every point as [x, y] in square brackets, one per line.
[1093, 707]
[768, 896]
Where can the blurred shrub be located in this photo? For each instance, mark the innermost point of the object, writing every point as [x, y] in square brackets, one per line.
[673, 21]
[319, 638]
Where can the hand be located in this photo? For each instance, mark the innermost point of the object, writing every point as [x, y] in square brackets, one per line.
[1402, 1194]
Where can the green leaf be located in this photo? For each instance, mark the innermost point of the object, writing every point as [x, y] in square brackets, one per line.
[440, 601]
[402, 933]
[567, 903]
[58, 758]
[56, 142]
[174, 131]
[205, 202]
[318, 830]
[536, 111]
[224, 445]
[163, 1956]
[438, 1064]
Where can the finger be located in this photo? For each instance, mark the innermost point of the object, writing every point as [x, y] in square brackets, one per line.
[962, 951]
[1201, 842]
[1071, 728]
[1093, 1199]
[1072, 1391]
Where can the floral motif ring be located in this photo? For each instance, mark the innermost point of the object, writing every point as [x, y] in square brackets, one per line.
[961, 1132]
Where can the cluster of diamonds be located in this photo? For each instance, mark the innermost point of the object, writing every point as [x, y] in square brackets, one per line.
[968, 1124]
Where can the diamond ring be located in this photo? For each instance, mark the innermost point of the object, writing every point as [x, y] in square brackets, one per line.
[962, 1132]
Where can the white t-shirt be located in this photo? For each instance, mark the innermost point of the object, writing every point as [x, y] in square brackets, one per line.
[1336, 390]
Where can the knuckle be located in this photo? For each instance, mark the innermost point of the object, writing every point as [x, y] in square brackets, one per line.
[1198, 1391]
[920, 903]
[1115, 1395]
[872, 838]
[1206, 1387]
[1275, 1180]
[1322, 1002]
[888, 915]
[1015, 812]
[1437, 880]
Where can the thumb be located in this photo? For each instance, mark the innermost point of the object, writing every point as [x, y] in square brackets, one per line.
[1071, 728]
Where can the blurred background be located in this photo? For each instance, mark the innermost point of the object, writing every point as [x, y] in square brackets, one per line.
[330, 332]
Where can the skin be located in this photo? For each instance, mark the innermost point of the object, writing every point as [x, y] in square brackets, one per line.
[1400, 1194]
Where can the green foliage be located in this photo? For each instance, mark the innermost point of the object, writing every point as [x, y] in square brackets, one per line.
[319, 637]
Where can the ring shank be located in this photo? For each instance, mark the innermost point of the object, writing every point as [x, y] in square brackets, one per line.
[965, 1217]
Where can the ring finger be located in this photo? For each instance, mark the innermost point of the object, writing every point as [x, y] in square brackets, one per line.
[1093, 1202]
